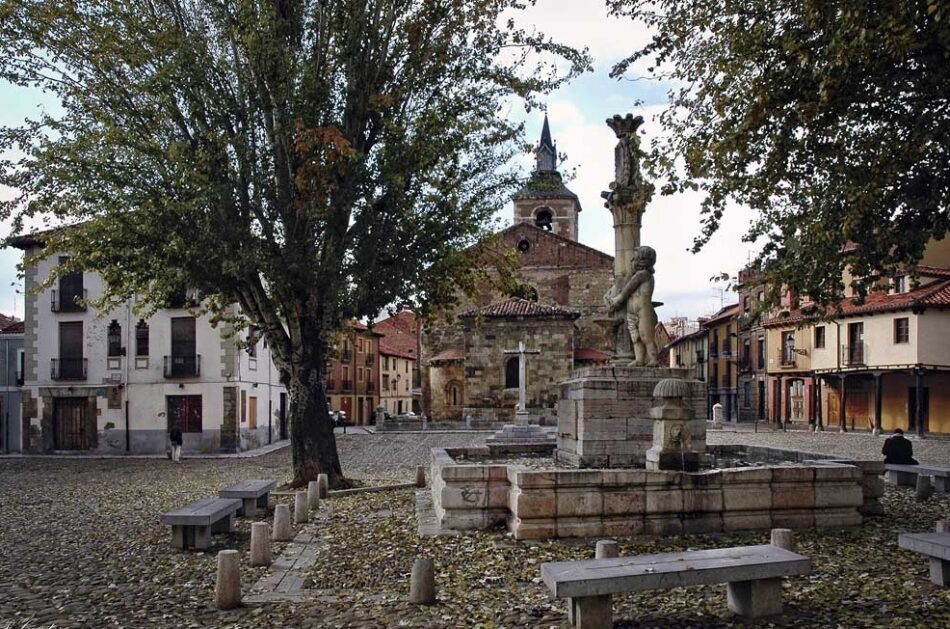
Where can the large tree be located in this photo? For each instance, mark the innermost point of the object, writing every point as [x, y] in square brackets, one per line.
[309, 160]
[830, 118]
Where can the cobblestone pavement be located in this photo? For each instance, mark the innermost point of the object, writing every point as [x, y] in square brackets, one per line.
[933, 451]
[81, 544]
[82, 547]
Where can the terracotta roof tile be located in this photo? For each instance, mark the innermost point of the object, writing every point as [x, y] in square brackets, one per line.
[448, 355]
[387, 350]
[725, 313]
[934, 294]
[517, 307]
[401, 332]
[15, 327]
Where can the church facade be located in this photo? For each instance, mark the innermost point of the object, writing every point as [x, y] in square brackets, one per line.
[558, 309]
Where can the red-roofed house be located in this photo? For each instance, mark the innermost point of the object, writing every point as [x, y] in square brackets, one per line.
[399, 372]
[722, 331]
[353, 374]
[877, 364]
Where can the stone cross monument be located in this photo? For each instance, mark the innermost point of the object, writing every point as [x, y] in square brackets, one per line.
[629, 301]
[522, 352]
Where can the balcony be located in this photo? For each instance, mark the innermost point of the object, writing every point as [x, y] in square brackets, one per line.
[68, 302]
[182, 366]
[370, 387]
[370, 360]
[786, 357]
[348, 386]
[68, 368]
[331, 384]
[346, 355]
[745, 366]
[853, 355]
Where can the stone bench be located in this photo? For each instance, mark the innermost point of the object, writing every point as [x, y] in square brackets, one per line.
[906, 475]
[937, 547]
[753, 574]
[252, 493]
[193, 524]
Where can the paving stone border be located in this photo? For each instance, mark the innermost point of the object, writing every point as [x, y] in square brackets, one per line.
[289, 572]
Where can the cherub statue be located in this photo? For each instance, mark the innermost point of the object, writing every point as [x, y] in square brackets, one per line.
[635, 291]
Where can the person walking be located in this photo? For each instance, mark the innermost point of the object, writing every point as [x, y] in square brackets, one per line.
[898, 450]
[175, 437]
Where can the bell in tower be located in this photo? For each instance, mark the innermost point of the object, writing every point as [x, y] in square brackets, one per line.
[544, 201]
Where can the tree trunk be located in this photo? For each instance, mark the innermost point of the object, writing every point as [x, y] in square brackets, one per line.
[312, 441]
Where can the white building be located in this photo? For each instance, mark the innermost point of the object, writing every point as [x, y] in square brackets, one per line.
[114, 383]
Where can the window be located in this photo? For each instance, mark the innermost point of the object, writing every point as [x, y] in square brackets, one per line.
[359, 345]
[512, 376]
[820, 337]
[406, 367]
[253, 333]
[71, 364]
[902, 330]
[900, 284]
[761, 353]
[761, 296]
[385, 382]
[184, 359]
[114, 339]
[788, 348]
[71, 291]
[141, 338]
[359, 374]
[745, 304]
[747, 394]
[454, 394]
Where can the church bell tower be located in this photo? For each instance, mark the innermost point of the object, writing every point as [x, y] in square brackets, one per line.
[544, 201]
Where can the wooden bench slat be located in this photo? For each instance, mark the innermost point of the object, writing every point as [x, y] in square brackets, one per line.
[930, 544]
[595, 577]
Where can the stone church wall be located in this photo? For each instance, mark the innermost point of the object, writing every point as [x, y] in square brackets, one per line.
[485, 360]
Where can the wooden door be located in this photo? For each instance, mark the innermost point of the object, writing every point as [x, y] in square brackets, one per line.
[185, 410]
[252, 412]
[70, 416]
[912, 408]
[796, 395]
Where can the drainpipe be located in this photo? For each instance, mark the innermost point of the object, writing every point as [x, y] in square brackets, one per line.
[127, 357]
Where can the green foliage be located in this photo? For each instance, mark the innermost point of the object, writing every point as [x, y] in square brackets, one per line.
[311, 161]
[831, 119]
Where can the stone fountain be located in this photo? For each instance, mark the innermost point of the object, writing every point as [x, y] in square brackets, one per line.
[631, 438]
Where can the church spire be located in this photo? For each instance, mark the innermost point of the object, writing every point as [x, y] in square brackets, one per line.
[547, 151]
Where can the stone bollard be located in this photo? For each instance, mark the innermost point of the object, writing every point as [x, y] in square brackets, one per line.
[943, 526]
[606, 549]
[420, 476]
[313, 495]
[324, 482]
[784, 538]
[422, 582]
[227, 586]
[925, 488]
[301, 514]
[283, 532]
[260, 544]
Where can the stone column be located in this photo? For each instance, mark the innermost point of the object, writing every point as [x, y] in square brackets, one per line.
[878, 397]
[227, 588]
[229, 420]
[260, 544]
[422, 582]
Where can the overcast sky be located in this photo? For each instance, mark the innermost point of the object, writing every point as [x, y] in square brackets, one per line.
[577, 113]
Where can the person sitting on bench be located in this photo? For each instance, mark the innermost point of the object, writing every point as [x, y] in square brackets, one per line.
[898, 450]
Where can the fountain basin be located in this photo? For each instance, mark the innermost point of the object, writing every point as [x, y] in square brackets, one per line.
[560, 503]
